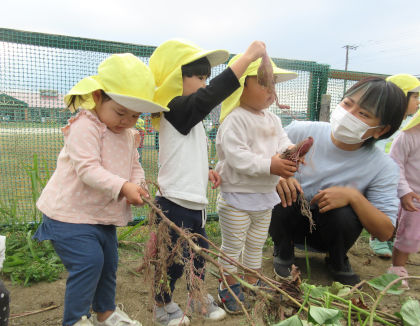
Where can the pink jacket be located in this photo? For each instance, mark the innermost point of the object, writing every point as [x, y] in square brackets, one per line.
[405, 150]
[91, 169]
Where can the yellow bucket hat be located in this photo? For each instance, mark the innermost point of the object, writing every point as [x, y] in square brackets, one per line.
[166, 62]
[408, 83]
[232, 101]
[125, 79]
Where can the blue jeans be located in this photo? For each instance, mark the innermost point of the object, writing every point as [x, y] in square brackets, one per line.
[90, 254]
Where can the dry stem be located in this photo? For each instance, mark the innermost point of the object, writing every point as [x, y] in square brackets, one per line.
[210, 255]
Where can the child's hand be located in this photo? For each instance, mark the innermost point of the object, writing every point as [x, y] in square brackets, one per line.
[407, 201]
[255, 50]
[282, 167]
[133, 193]
[214, 178]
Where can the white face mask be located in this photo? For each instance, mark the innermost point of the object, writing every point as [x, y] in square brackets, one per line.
[347, 128]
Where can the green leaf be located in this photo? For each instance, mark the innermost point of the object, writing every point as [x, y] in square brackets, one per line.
[29, 261]
[292, 321]
[343, 292]
[130, 230]
[317, 292]
[336, 287]
[410, 313]
[325, 316]
[382, 281]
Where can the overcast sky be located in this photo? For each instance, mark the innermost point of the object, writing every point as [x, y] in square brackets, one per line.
[386, 33]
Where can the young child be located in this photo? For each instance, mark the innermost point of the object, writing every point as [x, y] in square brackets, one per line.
[142, 132]
[181, 69]
[97, 177]
[248, 144]
[410, 85]
[405, 150]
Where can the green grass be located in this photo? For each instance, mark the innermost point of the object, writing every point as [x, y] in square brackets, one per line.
[17, 154]
[23, 124]
[17, 149]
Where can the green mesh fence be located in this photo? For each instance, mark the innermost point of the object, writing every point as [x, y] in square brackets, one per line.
[339, 81]
[36, 70]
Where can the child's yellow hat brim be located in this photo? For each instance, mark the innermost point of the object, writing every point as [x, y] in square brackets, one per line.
[232, 101]
[407, 83]
[166, 65]
[415, 120]
[125, 79]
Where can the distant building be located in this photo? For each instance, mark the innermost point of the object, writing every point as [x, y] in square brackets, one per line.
[42, 106]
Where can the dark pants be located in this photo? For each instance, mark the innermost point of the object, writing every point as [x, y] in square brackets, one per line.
[193, 221]
[335, 232]
[4, 305]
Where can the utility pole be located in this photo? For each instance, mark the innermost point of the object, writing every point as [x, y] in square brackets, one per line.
[348, 47]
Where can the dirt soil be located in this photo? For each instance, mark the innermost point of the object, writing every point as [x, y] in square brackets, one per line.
[132, 292]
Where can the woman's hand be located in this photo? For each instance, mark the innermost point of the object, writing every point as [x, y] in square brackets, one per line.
[333, 197]
[214, 178]
[288, 190]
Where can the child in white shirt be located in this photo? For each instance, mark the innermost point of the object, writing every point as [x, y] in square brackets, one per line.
[248, 144]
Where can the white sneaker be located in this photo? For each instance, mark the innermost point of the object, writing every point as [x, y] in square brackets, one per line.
[84, 321]
[117, 318]
[169, 315]
[211, 310]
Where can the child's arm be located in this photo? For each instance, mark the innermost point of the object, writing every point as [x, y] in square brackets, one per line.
[407, 201]
[214, 178]
[234, 142]
[133, 192]
[284, 141]
[255, 50]
[187, 111]
[137, 172]
[282, 167]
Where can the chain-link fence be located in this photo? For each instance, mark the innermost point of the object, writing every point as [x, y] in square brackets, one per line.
[36, 70]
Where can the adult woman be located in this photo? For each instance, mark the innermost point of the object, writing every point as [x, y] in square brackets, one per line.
[349, 183]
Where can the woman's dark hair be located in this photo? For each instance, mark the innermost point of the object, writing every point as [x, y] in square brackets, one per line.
[384, 99]
[409, 94]
[77, 99]
[200, 67]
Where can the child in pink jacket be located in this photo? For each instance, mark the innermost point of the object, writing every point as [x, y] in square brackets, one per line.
[405, 150]
[98, 176]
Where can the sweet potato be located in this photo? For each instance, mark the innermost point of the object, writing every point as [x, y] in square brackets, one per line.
[298, 152]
